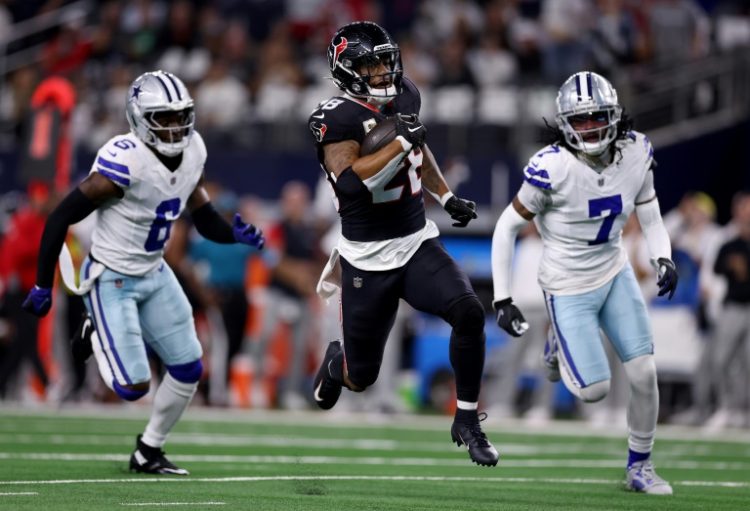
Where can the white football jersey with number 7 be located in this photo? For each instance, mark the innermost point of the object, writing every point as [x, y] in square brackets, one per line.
[580, 213]
[131, 232]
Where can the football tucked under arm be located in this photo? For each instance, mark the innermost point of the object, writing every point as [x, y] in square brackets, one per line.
[378, 137]
[377, 166]
[408, 128]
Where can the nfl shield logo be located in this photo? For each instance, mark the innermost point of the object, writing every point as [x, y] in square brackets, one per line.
[601, 181]
[357, 282]
[173, 180]
[118, 283]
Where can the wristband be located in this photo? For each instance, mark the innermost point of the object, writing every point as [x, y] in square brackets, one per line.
[445, 197]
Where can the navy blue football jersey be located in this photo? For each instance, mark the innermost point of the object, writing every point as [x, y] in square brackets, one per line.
[371, 215]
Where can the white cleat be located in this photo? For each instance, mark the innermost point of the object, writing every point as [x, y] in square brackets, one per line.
[641, 477]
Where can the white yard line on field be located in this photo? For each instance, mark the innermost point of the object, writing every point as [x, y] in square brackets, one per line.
[378, 460]
[149, 504]
[577, 447]
[17, 493]
[549, 480]
[361, 420]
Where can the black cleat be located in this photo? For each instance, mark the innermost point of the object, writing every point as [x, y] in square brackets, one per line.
[327, 390]
[80, 344]
[481, 451]
[151, 460]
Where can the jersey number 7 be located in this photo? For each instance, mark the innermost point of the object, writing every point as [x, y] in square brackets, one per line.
[612, 205]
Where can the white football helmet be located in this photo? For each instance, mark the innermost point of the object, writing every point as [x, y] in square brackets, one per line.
[160, 112]
[591, 96]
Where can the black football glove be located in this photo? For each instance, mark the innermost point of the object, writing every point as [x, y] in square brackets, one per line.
[509, 317]
[667, 277]
[461, 210]
[411, 128]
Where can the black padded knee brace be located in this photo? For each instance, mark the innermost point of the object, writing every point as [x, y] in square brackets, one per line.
[467, 317]
[362, 375]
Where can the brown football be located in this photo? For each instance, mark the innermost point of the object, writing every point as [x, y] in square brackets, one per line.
[378, 137]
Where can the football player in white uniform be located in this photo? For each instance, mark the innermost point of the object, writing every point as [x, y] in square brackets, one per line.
[580, 191]
[139, 184]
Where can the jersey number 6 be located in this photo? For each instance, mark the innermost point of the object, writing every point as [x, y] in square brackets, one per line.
[166, 213]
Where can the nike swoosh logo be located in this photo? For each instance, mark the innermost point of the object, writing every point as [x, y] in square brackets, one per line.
[463, 441]
[412, 130]
[319, 116]
[316, 394]
[110, 152]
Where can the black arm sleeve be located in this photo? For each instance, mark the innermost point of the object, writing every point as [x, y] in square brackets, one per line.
[211, 225]
[73, 208]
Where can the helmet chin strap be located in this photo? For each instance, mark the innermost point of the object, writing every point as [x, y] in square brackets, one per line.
[171, 151]
[599, 160]
[390, 92]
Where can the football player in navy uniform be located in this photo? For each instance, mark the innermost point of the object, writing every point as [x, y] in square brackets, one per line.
[388, 250]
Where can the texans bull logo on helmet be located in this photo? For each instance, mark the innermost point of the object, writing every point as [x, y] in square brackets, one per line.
[338, 50]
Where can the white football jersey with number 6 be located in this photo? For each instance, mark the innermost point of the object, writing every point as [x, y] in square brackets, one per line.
[580, 213]
[131, 232]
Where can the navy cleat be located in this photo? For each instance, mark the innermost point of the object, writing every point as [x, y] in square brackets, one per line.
[470, 434]
[151, 460]
[80, 344]
[326, 389]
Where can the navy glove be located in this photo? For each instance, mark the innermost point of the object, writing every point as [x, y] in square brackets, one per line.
[38, 301]
[461, 210]
[247, 234]
[667, 277]
[509, 317]
[411, 128]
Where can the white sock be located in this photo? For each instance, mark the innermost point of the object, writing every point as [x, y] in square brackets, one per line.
[466, 405]
[643, 407]
[171, 399]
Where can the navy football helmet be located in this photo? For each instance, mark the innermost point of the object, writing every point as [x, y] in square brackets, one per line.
[358, 48]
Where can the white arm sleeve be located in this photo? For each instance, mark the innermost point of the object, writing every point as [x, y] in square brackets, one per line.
[653, 229]
[503, 245]
[647, 191]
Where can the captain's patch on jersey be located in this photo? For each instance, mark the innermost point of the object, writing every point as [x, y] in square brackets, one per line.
[369, 124]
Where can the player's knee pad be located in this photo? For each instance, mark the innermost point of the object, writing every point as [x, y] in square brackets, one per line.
[641, 372]
[467, 317]
[595, 392]
[128, 394]
[362, 376]
[187, 373]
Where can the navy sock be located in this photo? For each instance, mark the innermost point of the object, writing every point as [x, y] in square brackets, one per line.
[635, 457]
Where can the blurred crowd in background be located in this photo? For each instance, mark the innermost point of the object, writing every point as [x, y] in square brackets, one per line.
[258, 316]
[245, 60]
